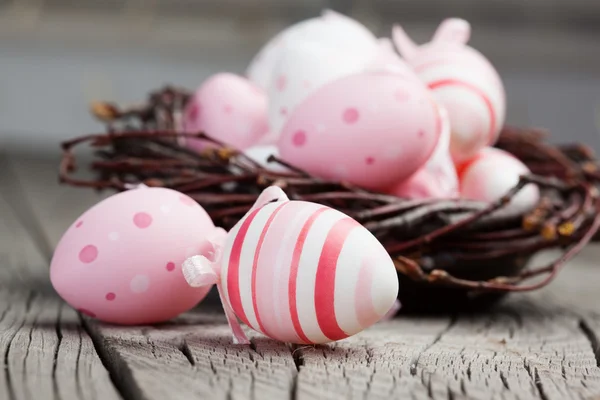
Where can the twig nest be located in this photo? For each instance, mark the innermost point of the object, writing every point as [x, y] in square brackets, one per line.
[462, 80]
[260, 154]
[491, 174]
[330, 30]
[231, 108]
[369, 129]
[437, 179]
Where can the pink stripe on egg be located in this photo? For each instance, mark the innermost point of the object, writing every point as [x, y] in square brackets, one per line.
[363, 298]
[478, 92]
[294, 273]
[261, 240]
[233, 273]
[325, 279]
[274, 271]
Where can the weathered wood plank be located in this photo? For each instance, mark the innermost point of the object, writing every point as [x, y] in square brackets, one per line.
[534, 346]
[193, 357]
[46, 352]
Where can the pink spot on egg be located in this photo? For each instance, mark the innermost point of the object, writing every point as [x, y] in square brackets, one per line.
[299, 138]
[87, 312]
[307, 85]
[187, 200]
[88, 254]
[281, 83]
[401, 95]
[194, 111]
[421, 133]
[139, 284]
[79, 224]
[110, 296]
[350, 115]
[170, 266]
[283, 111]
[142, 220]
[228, 109]
[370, 160]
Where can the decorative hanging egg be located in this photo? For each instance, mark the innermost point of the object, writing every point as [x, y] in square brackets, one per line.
[120, 262]
[228, 108]
[491, 174]
[370, 129]
[437, 179]
[463, 81]
[332, 30]
[301, 272]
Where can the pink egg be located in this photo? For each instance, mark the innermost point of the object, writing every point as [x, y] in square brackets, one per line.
[121, 260]
[491, 174]
[463, 81]
[437, 179]
[228, 108]
[303, 68]
[369, 129]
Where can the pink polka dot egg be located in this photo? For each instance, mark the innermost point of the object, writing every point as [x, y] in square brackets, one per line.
[228, 108]
[120, 262]
[371, 129]
[437, 179]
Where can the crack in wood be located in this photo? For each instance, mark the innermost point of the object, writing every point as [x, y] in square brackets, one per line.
[120, 374]
[415, 362]
[187, 353]
[592, 338]
[7, 373]
[59, 337]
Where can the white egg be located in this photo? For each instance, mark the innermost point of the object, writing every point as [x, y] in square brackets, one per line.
[331, 29]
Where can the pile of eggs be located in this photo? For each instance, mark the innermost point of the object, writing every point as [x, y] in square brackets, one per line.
[324, 95]
[327, 96]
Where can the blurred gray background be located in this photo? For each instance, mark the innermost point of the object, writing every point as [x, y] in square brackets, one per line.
[58, 55]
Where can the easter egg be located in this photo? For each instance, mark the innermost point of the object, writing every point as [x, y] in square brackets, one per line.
[491, 174]
[302, 68]
[437, 179]
[261, 153]
[463, 81]
[301, 272]
[228, 108]
[120, 261]
[332, 30]
[369, 129]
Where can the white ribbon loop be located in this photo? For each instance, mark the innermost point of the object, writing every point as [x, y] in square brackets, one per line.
[199, 271]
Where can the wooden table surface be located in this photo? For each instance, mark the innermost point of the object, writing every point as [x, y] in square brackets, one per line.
[541, 345]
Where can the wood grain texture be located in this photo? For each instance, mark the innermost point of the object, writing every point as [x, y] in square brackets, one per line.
[543, 345]
[193, 357]
[47, 354]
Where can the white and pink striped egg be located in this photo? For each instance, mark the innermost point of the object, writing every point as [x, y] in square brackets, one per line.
[304, 273]
[119, 261]
[491, 174]
[463, 81]
[371, 129]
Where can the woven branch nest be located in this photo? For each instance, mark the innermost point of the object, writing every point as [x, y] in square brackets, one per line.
[449, 254]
